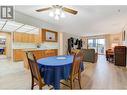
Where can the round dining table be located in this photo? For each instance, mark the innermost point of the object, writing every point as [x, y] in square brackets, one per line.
[53, 69]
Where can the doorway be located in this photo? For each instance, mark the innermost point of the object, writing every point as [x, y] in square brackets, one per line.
[5, 45]
[2, 46]
[98, 44]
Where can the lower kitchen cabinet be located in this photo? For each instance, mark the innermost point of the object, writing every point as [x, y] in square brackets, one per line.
[39, 54]
[49, 53]
[19, 55]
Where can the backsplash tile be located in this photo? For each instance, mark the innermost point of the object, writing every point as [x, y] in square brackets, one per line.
[45, 45]
[18, 45]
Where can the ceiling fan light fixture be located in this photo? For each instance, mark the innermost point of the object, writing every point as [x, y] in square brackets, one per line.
[56, 17]
[62, 15]
[57, 11]
[51, 14]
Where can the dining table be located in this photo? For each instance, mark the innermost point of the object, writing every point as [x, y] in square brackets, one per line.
[1, 50]
[54, 69]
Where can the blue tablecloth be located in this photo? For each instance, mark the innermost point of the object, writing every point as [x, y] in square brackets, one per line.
[53, 69]
[1, 50]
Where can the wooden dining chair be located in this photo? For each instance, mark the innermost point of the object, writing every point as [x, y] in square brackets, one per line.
[75, 71]
[35, 73]
[73, 52]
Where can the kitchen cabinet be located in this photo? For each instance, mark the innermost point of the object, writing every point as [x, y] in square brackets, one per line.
[20, 55]
[40, 54]
[17, 37]
[37, 53]
[44, 35]
[49, 53]
[25, 37]
[17, 54]
[30, 38]
[37, 38]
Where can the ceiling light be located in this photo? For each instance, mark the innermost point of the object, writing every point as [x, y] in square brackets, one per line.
[57, 11]
[51, 14]
[56, 17]
[62, 15]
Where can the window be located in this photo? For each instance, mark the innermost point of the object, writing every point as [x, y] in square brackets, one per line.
[97, 44]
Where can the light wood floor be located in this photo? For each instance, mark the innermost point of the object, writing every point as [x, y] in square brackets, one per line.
[102, 75]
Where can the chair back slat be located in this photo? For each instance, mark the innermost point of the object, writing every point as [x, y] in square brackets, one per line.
[73, 53]
[76, 63]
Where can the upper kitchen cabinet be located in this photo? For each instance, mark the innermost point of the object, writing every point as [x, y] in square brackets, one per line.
[44, 35]
[17, 37]
[31, 38]
[25, 37]
[26, 34]
[49, 35]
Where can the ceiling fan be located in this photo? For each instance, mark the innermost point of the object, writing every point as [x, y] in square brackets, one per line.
[71, 11]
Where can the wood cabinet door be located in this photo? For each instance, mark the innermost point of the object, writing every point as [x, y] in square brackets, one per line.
[23, 37]
[37, 54]
[32, 38]
[37, 38]
[17, 55]
[40, 54]
[17, 37]
[49, 53]
[29, 38]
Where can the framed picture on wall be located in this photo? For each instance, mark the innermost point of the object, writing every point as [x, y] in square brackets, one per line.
[49, 36]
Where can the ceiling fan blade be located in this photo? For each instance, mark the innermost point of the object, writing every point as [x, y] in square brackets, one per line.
[44, 9]
[70, 10]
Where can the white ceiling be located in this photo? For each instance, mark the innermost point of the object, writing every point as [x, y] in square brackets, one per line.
[90, 20]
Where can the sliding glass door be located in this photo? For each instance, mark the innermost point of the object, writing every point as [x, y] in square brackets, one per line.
[97, 44]
[100, 46]
[92, 44]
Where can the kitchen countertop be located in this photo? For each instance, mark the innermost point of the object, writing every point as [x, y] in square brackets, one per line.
[34, 49]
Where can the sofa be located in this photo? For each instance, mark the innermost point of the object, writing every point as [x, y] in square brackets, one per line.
[89, 55]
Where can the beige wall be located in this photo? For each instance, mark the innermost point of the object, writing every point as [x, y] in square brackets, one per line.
[84, 39]
[116, 38]
[8, 43]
